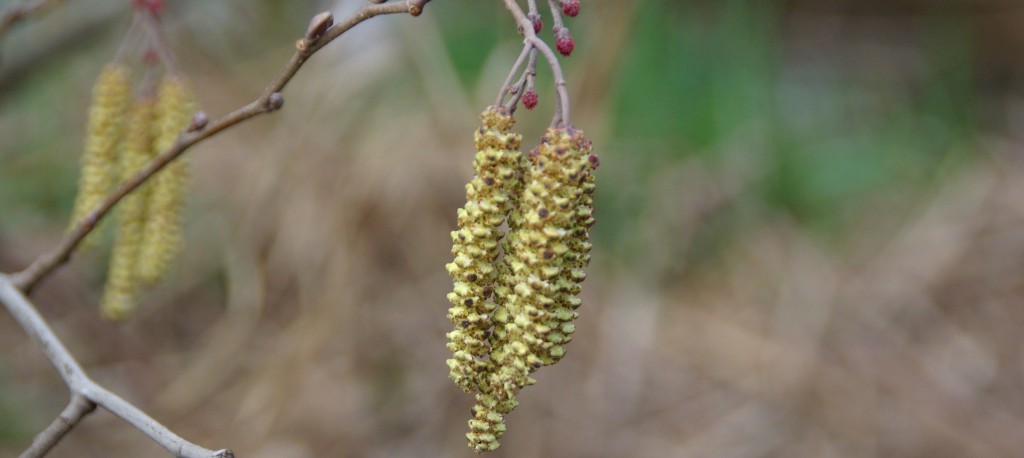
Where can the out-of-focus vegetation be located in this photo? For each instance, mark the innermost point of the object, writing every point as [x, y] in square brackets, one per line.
[809, 243]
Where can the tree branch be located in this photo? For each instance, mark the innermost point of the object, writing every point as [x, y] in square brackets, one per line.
[82, 386]
[77, 409]
[269, 101]
[16, 12]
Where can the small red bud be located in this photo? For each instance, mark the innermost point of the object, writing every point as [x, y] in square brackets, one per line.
[571, 7]
[150, 57]
[530, 99]
[564, 41]
[154, 6]
[538, 23]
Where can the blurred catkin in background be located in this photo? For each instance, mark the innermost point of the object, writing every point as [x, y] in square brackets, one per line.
[809, 241]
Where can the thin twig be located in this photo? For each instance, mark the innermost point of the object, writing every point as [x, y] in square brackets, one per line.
[525, 82]
[556, 25]
[81, 385]
[556, 69]
[131, 38]
[507, 85]
[16, 12]
[149, 24]
[556, 16]
[560, 85]
[531, 6]
[77, 408]
[46, 263]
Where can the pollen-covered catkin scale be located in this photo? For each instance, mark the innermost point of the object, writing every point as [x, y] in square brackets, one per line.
[110, 98]
[489, 198]
[538, 254]
[120, 294]
[488, 424]
[163, 230]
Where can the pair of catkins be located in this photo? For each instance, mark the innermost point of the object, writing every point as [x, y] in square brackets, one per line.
[123, 134]
[520, 253]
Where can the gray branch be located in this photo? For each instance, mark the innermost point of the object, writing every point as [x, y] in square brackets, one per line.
[82, 386]
[78, 408]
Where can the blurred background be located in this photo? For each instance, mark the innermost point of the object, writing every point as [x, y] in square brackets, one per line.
[810, 237]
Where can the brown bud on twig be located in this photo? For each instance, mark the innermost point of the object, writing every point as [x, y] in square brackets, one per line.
[199, 122]
[275, 102]
[416, 6]
[319, 24]
[415, 10]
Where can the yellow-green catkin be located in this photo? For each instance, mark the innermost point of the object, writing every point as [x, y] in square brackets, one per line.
[535, 285]
[121, 292]
[488, 425]
[539, 255]
[163, 228]
[111, 95]
[489, 198]
[559, 320]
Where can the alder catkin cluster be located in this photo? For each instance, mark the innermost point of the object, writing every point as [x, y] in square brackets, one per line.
[513, 307]
[122, 137]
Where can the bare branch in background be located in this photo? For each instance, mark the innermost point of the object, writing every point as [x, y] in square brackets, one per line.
[82, 386]
[16, 12]
[77, 408]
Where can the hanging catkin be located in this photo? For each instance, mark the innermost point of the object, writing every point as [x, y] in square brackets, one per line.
[489, 198]
[163, 229]
[110, 99]
[488, 425]
[120, 294]
[558, 320]
[539, 254]
[538, 288]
